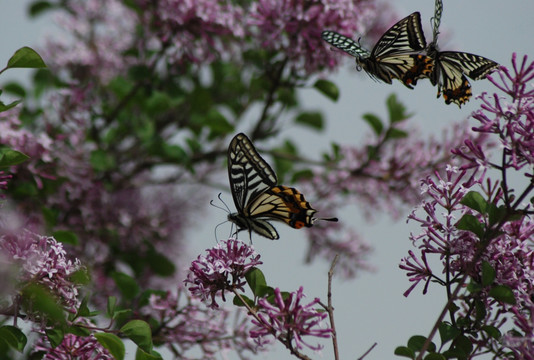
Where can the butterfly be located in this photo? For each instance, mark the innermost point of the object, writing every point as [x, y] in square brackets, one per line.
[258, 198]
[452, 67]
[394, 56]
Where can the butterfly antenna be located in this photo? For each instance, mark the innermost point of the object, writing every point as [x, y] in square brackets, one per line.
[225, 208]
[332, 219]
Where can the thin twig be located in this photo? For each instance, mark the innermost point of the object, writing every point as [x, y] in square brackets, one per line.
[367, 352]
[330, 307]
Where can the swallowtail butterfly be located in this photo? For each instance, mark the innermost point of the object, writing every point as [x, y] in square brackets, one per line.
[258, 198]
[452, 67]
[395, 55]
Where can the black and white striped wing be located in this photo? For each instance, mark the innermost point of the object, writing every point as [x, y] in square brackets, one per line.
[344, 43]
[405, 37]
[397, 54]
[248, 173]
[451, 69]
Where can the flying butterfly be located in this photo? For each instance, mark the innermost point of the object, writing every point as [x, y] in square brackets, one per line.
[394, 56]
[452, 67]
[258, 198]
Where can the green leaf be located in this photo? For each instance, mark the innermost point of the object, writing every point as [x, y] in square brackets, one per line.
[111, 306]
[4, 107]
[503, 293]
[113, 343]
[327, 88]
[160, 264]
[375, 123]
[312, 119]
[475, 201]
[55, 336]
[496, 214]
[101, 160]
[66, 237]
[469, 222]
[81, 277]
[405, 351]
[38, 298]
[237, 301]
[9, 157]
[83, 309]
[416, 343]
[256, 280]
[174, 153]
[39, 7]
[26, 57]
[15, 89]
[447, 332]
[488, 274]
[397, 111]
[492, 331]
[13, 337]
[305, 174]
[394, 133]
[126, 284]
[143, 355]
[218, 124]
[139, 332]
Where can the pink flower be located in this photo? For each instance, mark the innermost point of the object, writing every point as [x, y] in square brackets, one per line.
[289, 320]
[223, 268]
[293, 28]
[73, 347]
[43, 260]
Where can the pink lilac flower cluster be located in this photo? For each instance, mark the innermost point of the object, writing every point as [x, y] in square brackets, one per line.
[196, 31]
[511, 117]
[43, 260]
[99, 33]
[441, 211]
[293, 28]
[388, 183]
[288, 319]
[223, 268]
[186, 323]
[37, 146]
[509, 250]
[73, 347]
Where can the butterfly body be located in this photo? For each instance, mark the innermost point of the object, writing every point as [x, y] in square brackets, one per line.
[258, 198]
[395, 55]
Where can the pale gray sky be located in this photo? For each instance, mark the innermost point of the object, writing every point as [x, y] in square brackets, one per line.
[370, 308]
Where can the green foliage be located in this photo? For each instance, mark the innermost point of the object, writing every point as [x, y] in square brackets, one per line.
[25, 57]
[374, 122]
[311, 119]
[112, 343]
[139, 332]
[475, 201]
[327, 88]
[38, 299]
[471, 223]
[396, 110]
[66, 237]
[12, 337]
[126, 284]
[9, 157]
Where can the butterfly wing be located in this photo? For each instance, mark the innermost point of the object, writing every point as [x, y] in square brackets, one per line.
[406, 36]
[248, 172]
[250, 176]
[395, 55]
[344, 43]
[451, 69]
[285, 204]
